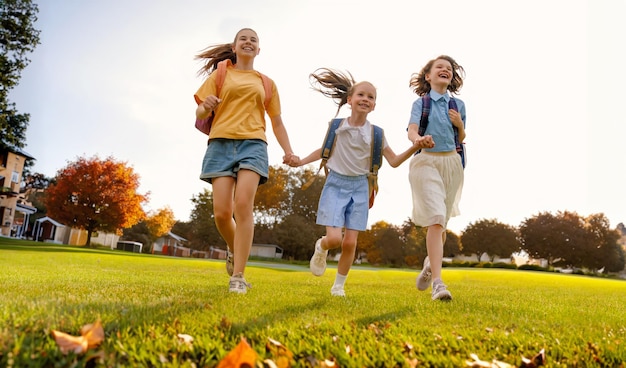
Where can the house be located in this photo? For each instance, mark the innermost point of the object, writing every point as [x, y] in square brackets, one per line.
[266, 251]
[14, 213]
[171, 244]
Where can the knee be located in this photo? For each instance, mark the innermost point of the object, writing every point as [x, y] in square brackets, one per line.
[348, 245]
[333, 241]
[222, 216]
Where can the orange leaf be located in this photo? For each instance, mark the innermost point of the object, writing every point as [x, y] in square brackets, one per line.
[241, 356]
[91, 336]
[67, 343]
[94, 333]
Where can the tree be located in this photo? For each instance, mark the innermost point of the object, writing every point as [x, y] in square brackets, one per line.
[94, 194]
[156, 224]
[160, 222]
[558, 238]
[491, 237]
[603, 250]
[18, 38]
[203, 232]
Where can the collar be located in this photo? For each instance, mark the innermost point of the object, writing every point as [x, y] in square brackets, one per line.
[436, 96]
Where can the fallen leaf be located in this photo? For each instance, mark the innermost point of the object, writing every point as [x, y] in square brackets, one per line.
[241, 356]
[477, 363]
[282, 355]
[94, 333]
[185, 339]
[536, 361]
[68, 343]
[91, 336]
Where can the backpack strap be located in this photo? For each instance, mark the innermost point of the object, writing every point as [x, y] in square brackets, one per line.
[425, 113]
[377, 149]
[329, 142]
[267, 86]
[327, 149]
[376, 163]
[460, 147]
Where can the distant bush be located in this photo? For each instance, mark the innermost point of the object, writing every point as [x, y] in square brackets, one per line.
[530, 267]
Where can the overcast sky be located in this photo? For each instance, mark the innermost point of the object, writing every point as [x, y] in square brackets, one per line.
[543, 89]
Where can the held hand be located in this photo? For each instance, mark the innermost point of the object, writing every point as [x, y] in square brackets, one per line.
[424, 142]
[455, 117]
[291, 160]
[210, 103]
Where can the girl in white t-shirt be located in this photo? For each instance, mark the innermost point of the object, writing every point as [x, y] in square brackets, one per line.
[344, 203]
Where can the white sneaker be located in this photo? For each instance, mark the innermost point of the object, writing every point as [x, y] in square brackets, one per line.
[425, 277]
[318, 261]
[230, 262]
[238, 284]
[337, 291]
[440, 292]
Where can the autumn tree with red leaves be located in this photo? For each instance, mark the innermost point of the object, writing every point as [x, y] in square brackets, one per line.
[96, 195]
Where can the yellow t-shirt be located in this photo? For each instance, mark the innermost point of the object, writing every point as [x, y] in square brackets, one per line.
[241, 114]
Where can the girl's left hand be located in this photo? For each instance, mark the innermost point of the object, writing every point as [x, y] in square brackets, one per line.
[455, 117]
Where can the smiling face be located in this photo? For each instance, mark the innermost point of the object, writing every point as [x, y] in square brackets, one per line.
[363, 97]
[440, 75]
[246, 44]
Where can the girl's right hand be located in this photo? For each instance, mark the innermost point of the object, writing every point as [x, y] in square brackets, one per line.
[210, 103]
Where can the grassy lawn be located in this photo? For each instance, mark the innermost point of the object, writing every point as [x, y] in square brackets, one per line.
[144, 302]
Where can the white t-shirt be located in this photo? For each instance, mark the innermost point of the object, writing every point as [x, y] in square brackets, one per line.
[353, 149]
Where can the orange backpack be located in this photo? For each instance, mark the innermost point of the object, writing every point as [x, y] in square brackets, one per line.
[204, 125]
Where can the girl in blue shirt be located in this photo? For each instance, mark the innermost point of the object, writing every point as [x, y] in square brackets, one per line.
[436, 174]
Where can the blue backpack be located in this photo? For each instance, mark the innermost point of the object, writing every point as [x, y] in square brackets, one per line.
[377, 156]
[460, 147]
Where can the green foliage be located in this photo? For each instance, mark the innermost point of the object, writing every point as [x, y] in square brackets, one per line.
[145, 302]
[18, 38]
[491, 237]
[565, 238]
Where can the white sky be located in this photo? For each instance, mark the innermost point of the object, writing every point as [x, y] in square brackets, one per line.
[543, 89]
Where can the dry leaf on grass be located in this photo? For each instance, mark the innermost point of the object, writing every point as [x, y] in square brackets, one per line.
[241, 356]
[185, 339]
[282, 355]
[537, 361]
[91, 335]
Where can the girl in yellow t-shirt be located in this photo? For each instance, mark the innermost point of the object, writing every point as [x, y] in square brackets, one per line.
[236, 159]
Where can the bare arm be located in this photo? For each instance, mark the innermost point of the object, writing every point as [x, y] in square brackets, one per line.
[280, 132]
[312, 157]
[419, 143]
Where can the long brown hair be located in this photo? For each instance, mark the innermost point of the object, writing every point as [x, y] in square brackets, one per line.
[216, 53]
[334, 84]
[421, 86]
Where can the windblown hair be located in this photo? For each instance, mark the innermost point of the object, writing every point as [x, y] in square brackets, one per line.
[216, 53]
[421, 86]
[334, 84]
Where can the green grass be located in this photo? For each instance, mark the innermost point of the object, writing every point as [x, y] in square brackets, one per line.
[145, 301]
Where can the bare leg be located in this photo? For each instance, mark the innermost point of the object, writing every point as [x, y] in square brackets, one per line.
[434, 245]
[245, 190]
[223, 192]
[348, 248]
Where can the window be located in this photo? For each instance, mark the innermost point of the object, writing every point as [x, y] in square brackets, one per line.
[15, 177]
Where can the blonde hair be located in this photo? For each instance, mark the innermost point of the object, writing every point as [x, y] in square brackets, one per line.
[334, 84]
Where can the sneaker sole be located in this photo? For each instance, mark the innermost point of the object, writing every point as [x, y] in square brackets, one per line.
[444, 297]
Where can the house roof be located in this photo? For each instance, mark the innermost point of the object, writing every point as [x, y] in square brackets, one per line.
[177, 237]
[20, 152]
[44, 219]
[24, 208]
[267, 246]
